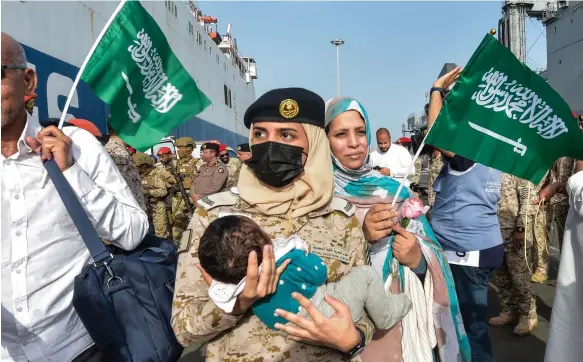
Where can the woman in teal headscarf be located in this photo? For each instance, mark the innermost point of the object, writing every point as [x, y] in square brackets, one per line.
[400, 256]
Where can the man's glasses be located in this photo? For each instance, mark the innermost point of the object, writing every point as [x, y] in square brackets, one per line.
[4, 67]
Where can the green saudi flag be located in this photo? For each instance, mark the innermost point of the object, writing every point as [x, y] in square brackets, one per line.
[134, 70]
[503, 115]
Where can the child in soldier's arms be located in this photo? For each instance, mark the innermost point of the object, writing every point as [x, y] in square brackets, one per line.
[223, 253]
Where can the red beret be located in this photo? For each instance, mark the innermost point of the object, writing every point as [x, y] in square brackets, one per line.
[86, 125]
[222, 148]
[164, 151]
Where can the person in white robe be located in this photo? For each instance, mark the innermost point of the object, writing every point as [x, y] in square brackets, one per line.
[566, 327]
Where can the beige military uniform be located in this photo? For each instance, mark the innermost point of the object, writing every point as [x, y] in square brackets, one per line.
[435, 166]
[155, 185]
[234, 166]
[186, 169]
[561, 170]
[210, 179]
[513, 278]
[417, 175]
[332, 232]
[534, 221]
[125, 164]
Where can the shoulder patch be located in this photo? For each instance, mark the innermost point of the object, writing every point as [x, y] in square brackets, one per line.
[221, 199]
[339, 204]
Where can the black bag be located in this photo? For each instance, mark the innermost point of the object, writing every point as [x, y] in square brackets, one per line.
[124, 298]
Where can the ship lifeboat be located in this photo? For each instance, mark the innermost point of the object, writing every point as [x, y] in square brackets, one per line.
[208, 19]
[216, 37]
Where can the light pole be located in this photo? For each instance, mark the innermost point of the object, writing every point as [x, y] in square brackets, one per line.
[337, 43]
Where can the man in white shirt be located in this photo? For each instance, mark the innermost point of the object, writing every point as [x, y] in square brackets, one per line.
[393, 160]
[42, 250]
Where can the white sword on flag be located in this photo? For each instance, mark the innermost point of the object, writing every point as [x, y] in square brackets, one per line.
[81, 69]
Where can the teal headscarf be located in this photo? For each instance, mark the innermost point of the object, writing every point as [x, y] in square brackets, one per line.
[365, 183]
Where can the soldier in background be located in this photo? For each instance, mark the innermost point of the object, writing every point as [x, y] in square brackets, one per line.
[243, 153]
[560, 172]
[155, 183]
[165, 157]
[517, 299]
[186, 169]
[212, 175]
[121, 156]
[435, 166]
[233, 165]
[538, 222]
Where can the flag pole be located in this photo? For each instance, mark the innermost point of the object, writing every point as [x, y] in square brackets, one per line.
[402, 183]
[81, 69]
[87, 58]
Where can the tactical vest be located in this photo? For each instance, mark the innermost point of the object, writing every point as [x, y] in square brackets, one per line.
[187, 172]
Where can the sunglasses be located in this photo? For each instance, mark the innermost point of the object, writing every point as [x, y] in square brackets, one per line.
[4, 67]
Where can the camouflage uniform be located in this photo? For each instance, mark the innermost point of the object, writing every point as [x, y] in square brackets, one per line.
[534, 220]
[125, 164]
[234, 166]
[417, 175]
[332, 232]
[155, 183]
[517, 298]
[559, 206]
[435, 166]
[186, 169]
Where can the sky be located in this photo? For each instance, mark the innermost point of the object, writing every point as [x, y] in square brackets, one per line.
[393, 51]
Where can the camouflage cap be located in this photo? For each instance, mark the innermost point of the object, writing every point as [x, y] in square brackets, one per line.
[142, 159]
[184, 142]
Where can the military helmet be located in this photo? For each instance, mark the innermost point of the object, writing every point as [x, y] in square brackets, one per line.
[184, 142]
[142, 159]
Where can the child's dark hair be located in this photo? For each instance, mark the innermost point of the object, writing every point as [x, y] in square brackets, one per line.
[225, 246]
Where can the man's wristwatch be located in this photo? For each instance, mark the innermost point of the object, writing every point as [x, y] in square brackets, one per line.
[359, 347]
[438, 89]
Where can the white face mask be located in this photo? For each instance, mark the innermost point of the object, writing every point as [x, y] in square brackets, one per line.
[225, 295]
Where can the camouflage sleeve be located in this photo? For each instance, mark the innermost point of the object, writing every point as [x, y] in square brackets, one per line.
[195, 318]
[529, 196]
[356, 241]
[508, 204]
[159, 189]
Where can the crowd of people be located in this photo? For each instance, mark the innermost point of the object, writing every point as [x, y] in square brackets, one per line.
[304, 248]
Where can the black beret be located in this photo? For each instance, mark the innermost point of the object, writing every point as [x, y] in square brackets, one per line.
[287, 105]
[210, 146]
[243, 147]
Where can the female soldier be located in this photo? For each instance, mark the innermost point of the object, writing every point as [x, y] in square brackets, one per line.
[286, 187]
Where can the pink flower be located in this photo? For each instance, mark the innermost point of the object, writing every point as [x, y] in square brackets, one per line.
[412, 208]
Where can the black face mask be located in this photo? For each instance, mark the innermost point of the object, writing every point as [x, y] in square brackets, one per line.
[276, 164]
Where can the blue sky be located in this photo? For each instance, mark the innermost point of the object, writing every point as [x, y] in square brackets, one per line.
[392, 54]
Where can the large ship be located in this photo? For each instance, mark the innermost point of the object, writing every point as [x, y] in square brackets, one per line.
[57, 35]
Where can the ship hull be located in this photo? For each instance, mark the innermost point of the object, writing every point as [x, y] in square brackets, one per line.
[57, 36]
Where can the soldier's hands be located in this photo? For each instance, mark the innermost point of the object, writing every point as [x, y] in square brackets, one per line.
[259, 285]
[51, 143]
[337, 332]
[518, 240]
[378, 222]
